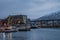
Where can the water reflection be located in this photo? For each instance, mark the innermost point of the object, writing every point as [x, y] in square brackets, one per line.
[34, 34]
[20, 36]
[7, 36]
[14, 36]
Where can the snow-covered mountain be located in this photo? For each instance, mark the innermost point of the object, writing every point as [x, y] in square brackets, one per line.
[52, 16]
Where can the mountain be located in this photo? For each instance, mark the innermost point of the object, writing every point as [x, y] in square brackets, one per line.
[52, 16]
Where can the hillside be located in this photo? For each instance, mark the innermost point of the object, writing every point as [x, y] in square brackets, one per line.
[53, 16]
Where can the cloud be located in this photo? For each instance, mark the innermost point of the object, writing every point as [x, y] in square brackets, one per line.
[46, 6]
[32, 8]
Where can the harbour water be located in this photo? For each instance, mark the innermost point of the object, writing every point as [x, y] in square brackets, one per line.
[34, 34]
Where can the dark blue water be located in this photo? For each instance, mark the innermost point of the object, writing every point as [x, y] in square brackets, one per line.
[36, 34]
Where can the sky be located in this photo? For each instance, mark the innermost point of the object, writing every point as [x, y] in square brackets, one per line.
[32, 8]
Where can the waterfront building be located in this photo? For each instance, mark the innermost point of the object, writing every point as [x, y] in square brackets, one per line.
[17, 19]
[46, 23]
[17, 22]
[20, 21]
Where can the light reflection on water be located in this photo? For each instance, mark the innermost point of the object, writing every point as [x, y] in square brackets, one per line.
[34, 34]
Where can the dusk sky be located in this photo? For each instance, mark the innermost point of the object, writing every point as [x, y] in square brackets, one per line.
[33, 8]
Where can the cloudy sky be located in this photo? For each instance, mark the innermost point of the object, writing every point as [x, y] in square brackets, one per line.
[33, 8]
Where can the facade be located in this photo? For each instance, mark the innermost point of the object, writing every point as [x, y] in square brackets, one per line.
[17, 19]
[16, 22]
[46, 24]
[20, 21]
[35, 24]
